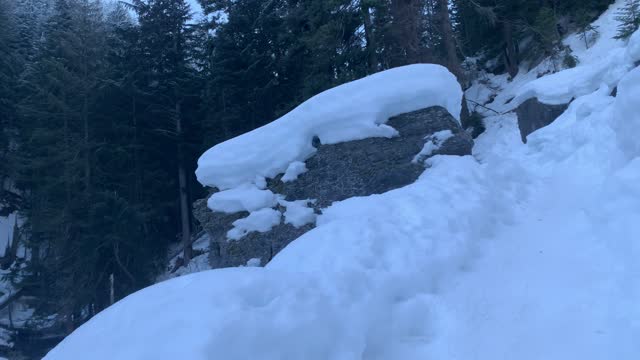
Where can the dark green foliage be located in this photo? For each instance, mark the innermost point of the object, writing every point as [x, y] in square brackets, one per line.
[569, 60]
[588, 32]
[629, 18]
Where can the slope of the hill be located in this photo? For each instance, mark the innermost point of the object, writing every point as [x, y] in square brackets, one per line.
[519, 252]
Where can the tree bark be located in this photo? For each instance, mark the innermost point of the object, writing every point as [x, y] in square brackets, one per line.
[184, 196]
[406, 31]
[452, 61]
[370, 36]
[510, 51]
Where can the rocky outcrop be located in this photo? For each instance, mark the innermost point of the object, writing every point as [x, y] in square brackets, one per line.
[534, 115]
[337, 172]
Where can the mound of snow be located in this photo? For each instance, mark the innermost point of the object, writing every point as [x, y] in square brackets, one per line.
[564, 86]
[353, 111]
[627, 113]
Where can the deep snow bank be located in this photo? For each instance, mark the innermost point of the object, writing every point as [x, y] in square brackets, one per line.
[353, 111]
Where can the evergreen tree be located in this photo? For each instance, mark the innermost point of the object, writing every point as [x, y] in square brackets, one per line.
[629, 18]
[588, 32]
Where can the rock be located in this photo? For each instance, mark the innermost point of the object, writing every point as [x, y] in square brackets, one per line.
[534, 115]
[337, 172]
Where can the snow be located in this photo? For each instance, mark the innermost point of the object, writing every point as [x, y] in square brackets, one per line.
[294, 170]
[298, 212]
[254, 262]
[261, 220]
[353, 111]
[434, 142]
[627, 113]
[521, 251]
[243, 198]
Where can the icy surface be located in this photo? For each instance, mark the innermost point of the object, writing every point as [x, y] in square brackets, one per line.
[353, 111]
[521, 252]
[261, 220]
[243, 198]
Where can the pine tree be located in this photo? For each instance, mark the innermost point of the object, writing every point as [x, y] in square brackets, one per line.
[166, 40]
[588, 32]
[629, 18]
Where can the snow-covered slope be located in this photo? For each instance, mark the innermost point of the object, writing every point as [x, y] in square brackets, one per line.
[519, 252]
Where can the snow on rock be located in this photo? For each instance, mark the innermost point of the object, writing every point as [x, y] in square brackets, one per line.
[294, 170]
[254, 262]
[433, 143]
[261, 220]
[562, 87]
[298, 212]
[243, 198]
[352, 111]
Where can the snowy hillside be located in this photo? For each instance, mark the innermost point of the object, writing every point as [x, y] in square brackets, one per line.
[518, 252]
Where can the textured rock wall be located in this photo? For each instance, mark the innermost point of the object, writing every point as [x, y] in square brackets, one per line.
[337, 172]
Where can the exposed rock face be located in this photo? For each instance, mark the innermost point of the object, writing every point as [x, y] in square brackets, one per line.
[534, 115]
[337, 172]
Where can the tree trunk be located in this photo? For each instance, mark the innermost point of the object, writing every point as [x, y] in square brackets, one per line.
[452, 61]
[87, 151]
[370, 36]
[510, 51]
[406, 31]
[182, 183]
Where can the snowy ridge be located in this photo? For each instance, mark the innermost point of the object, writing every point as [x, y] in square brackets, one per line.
[353, 111]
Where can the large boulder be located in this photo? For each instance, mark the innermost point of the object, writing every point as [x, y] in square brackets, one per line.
[337, 172]
[534, 115]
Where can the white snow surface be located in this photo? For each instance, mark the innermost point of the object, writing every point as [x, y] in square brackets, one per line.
[247, 197]
[432, 144]
[352, 111]
[521, 251]
[261, 220]
[298, 212]
[294, 170]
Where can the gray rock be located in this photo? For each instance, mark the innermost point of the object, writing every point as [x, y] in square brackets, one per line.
[337, 172]
[534, 115]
